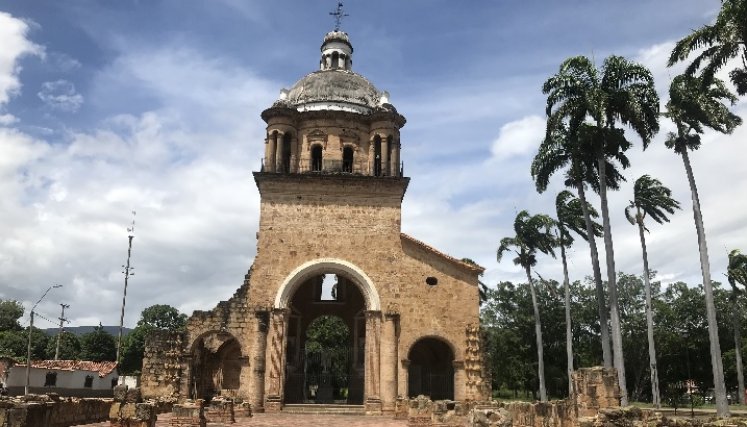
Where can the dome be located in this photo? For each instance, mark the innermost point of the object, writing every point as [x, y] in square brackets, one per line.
[334, 89]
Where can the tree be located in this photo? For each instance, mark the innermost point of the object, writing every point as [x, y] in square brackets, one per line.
[561, 149]
[622, 92]
[69, 347]
[98, 346]
[570, 217]
[737, 273]
[693, 105]
[13, 344]
[156, 317]
[10, 312]
[650, 198]
[716, 44]
[164, 317]
[533, 233]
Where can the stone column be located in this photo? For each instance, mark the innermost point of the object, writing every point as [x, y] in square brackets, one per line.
[186, 375]
[460, 382]
[404, 378]
[294, 155]
[395, 158]
[272, 141]
[371, 160]
[257, 362]
[275, 355]
[385, 157]
[279, 152]
[373, 366]
[389, 343]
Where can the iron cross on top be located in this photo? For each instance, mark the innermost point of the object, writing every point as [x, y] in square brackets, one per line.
[338, 14]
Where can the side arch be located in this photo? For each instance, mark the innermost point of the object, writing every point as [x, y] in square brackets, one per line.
[333, 266]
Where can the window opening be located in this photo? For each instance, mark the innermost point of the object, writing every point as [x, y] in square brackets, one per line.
[88, 383]
[51, 379]
[347, 159]
[316, 158]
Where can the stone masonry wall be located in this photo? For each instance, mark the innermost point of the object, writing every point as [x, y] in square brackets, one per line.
[357, 220]
[162, 374]
[52, 412]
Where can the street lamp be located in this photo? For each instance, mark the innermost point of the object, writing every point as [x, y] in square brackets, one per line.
[31, 326]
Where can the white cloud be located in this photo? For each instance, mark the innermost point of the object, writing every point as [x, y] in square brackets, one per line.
[61, 95]
[185, 169]
[518, 137]
[13, 33]
[7, 119]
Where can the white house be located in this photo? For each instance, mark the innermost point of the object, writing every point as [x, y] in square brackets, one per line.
[66, 377]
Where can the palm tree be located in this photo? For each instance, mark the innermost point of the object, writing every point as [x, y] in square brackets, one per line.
[693, 105]
[570, 217]
[717, 43]
[737, 273]
[559, 150]
[650, 198]
[622, 92]
[533, 233]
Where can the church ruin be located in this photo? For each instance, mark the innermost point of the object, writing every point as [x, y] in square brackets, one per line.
[330, 245]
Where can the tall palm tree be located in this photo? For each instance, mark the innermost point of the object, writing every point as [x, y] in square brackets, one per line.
[570, 217]
[533, 234]
[693, 105]
[560, 150]
[737, 273]
[621, 92]
[717, 43]
[650, 198]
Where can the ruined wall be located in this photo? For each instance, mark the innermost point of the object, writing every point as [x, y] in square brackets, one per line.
[52, 412]
[162, 370]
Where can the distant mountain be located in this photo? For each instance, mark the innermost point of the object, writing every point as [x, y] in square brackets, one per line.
[80, 330]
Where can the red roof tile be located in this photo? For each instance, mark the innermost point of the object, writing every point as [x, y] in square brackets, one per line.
[102, 368]
[468, 266]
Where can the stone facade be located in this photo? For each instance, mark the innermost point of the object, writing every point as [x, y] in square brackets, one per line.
[331, 190]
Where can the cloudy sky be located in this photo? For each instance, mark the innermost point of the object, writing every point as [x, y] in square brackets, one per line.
[153, 106]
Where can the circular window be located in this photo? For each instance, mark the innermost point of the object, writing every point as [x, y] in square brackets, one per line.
[431, 281]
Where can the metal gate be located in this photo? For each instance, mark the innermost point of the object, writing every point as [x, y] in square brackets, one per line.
[437, 384]
[327, 376]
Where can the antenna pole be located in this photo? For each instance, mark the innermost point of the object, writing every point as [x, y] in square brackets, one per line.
[62, 329]
[127, 274]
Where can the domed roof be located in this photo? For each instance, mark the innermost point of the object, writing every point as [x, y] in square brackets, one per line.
[334, 86]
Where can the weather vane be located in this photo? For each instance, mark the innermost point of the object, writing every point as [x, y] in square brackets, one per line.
[338, 14]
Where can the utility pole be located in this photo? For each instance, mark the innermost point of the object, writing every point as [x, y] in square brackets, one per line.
[127, 273]
[62, 329]
[28, 349]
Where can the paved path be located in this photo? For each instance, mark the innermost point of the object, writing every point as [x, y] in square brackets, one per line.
[294, 420]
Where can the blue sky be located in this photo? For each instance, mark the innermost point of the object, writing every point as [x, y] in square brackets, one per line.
[106, 107]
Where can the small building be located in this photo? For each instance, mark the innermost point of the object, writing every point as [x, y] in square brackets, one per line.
[77, 378]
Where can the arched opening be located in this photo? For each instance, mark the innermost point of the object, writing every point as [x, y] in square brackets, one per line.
[347, 159]
[377, 156]
[335, 60]
[431, 370]
[326, 341]
[316, 158]
[286, 152]
[216, 366]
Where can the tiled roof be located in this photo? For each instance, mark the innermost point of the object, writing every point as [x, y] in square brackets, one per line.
[102, 368]
[474, 267]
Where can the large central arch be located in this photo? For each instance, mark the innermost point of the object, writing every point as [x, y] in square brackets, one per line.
[328, 265]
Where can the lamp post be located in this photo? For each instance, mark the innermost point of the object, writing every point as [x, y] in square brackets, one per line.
[31, 326]
[127, 273]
